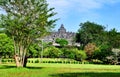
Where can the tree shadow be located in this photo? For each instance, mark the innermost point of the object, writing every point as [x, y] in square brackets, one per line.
[7, 66]
[88, 74]
[10, 66]
[34, 67]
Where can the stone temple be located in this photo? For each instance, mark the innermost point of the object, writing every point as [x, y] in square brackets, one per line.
[61, 33]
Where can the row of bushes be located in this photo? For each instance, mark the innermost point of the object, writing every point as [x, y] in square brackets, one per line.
[53, 61]
[63, 62]
[38, 61]
[8, 61]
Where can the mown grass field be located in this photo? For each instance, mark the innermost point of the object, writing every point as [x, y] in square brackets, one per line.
[60, 70]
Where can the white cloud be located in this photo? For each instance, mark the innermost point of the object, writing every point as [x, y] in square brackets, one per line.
[83, 7]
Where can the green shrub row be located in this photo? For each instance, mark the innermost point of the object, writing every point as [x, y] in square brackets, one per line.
[54, 61]
[62, 62]
[7, 60]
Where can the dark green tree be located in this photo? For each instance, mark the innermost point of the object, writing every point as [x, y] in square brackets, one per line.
[102, 52]
[90, 32]
[6, 46]
[26, 20]
[113, 38]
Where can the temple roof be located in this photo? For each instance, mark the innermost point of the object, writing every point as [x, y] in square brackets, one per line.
[62, 29]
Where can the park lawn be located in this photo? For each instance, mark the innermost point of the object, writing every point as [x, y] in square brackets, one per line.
[60, 70]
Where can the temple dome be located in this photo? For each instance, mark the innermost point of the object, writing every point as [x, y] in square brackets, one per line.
[62, 29]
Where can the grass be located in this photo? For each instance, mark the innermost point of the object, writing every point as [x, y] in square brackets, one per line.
[60, 70]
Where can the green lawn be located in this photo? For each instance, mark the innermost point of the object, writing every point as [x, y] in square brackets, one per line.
[60, 70]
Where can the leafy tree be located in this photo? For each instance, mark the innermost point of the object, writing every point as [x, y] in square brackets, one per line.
[34, 50]
[102, 52]
[6, 46]
[89, 49]
[26, 20]
[90, 32]
[52, 52]
[114, 38]
[61, 42]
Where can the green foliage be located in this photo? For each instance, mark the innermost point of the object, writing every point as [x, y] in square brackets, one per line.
[81, 55]
[89, 49]
[74, 53]
[34, 50]
[90, 32]
[6, 46]
[25, 21]
[52, 52]
[114, 38]
[61, 42]
[102, 52]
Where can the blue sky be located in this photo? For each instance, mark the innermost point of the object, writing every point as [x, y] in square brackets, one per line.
[74, 12]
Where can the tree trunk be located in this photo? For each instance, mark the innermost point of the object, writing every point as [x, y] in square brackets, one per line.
[19, 62]
[0, 60]
[25, 61]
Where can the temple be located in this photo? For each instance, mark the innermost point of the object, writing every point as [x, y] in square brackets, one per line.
[61, 33]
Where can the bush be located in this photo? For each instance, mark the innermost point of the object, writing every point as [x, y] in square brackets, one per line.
[95, 61]
[89, 49]
[37, 61]
[52, 52]
[74, 53]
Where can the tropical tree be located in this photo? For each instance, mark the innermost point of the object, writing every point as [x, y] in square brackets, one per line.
[90, 32]
[113, 38]
[26, 20]
[6, 46]
[34, 51]
[90, 49]
[102, 52]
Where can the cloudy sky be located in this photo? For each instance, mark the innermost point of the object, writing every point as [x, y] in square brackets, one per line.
[74, 12]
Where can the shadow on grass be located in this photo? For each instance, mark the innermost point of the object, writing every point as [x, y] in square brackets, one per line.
[34, 67]
[88, 74]
[7, 67]
[10, 66]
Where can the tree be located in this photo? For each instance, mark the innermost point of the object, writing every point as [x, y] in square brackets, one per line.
[102, 52]
[61, 42]
[26, 21]
[90, 32]
[114, 38]
[89, 49]
[34, 51]
[6, 46]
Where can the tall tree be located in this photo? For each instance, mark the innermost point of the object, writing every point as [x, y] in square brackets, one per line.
[113, 38]
[26, 20]
[90, 32]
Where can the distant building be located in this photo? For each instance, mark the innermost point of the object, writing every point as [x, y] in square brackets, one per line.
[61, 33]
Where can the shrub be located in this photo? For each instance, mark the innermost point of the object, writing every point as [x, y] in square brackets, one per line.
[36, 61]
[52, 52]
[74, 53]
[89, 49]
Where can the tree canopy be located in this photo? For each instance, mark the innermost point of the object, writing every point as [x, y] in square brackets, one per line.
[90, 32]
[26, 20]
